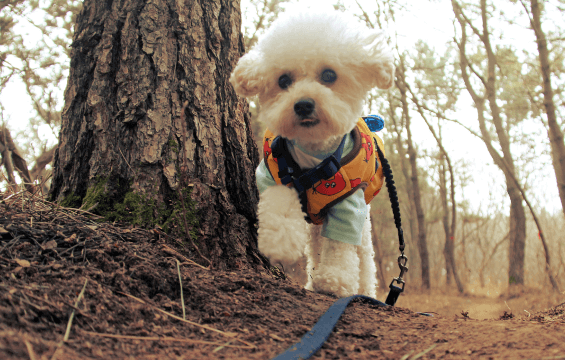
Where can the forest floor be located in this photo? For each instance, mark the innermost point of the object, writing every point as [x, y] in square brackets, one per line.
[120, 286]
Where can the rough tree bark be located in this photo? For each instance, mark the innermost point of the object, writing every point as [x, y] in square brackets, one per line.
[134, 63]
[505, 162]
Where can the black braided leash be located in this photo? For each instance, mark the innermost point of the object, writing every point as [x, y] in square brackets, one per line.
[395, 290]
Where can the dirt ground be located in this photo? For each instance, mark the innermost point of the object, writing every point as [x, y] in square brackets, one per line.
[120, 286]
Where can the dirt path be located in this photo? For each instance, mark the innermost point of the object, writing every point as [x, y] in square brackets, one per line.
[131, 306]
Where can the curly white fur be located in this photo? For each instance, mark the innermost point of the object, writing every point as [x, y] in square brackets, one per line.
[283, 233]
[302, 45]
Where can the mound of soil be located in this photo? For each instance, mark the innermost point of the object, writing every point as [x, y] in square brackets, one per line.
[74, 288]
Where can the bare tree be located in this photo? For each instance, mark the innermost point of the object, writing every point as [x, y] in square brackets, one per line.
[41, 66]
[505, 161]
[400, 82]
[555, 133]
[13, 161]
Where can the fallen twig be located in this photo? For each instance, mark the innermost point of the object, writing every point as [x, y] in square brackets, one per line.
[67, 333]
[70, 323]
[187, 260]
[181, 295]
[72, 247]
[417, 356]
[30, 350]
[407, 355]
[222, 346]
[186, 321]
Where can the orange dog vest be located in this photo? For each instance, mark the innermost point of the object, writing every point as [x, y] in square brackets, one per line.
[359, 169]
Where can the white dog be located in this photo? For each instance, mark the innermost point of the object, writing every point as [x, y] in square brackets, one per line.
[311, 72]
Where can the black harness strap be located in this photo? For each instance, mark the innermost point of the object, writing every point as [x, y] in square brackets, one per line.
[289, 171]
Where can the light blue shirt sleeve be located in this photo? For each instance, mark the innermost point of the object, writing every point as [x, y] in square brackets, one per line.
[345, 219]
[263, 177]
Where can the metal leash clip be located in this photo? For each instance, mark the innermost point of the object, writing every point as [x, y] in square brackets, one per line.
[395, 291]
[402, 261]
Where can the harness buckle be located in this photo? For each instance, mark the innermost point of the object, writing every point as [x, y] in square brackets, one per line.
[330, 166]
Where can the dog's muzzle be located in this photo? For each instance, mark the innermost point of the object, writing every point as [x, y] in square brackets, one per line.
[304, 109]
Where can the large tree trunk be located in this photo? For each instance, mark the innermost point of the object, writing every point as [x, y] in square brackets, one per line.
[555, 133]
[134, 63]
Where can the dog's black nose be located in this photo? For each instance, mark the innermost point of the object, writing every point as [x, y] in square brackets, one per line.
[304, 107]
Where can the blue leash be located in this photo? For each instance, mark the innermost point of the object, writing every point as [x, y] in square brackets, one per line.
[317, 336]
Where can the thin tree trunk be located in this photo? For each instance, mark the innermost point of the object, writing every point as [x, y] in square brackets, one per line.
[134, 63]
[541, 235]
[445, 218]
[517, 214]
[412, 225]
[379, 255]
[422, 241]
[449, 247]
[37, 172]
[505, 162]
[555, 133]
[13, 161]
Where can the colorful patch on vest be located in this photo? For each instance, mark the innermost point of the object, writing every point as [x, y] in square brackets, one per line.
[331, 186]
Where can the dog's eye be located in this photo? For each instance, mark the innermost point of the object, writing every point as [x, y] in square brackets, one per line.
[285, 81]
[329, 76]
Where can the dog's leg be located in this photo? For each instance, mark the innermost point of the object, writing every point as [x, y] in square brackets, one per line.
[283, 232]
[313, 253]
[367, 268]
[338, 271]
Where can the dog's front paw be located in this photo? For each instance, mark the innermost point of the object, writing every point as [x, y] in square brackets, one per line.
[333, 280]
[281, 244]
[283, 233]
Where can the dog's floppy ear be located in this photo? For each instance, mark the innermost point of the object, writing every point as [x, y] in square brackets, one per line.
[378, 60]
[384, 72]
[246, 77]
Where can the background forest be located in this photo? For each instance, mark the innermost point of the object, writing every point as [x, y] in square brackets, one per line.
[473, 128]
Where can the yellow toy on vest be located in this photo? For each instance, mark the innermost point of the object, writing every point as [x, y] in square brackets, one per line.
[359, 170]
